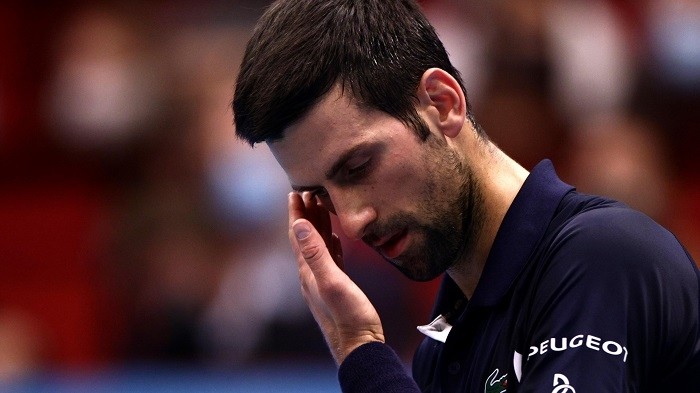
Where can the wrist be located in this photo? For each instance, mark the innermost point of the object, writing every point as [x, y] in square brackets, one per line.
[349, 346]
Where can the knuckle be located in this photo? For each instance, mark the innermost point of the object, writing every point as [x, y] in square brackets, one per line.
[312, 252]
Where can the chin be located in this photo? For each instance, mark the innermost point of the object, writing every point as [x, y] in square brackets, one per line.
[418, 272]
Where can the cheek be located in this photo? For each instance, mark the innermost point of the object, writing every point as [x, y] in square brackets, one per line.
[401, 185]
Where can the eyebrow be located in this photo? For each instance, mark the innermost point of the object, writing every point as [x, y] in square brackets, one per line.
[336, 167]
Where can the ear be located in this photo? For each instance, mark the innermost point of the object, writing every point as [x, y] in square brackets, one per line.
[442, 97]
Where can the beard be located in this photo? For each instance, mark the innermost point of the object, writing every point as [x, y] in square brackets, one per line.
[448, 220]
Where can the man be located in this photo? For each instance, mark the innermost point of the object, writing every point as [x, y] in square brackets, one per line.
[546, 290]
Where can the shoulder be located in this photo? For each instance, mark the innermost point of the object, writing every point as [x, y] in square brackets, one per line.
[615, 238]
[617, 259]
[610, 272]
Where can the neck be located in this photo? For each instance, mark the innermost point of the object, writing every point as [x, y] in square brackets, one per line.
[500, 178]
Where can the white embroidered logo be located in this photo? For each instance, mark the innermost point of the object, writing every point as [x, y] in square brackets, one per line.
[561, 384]
[496, 384]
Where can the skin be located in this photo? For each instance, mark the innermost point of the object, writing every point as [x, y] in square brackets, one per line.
[427, 206]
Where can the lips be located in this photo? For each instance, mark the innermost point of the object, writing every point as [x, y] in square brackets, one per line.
[393, 246]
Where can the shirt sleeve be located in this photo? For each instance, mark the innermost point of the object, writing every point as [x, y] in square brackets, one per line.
[615, 309]
[375, 367]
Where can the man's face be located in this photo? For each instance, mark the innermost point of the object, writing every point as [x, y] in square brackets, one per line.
[410, 200]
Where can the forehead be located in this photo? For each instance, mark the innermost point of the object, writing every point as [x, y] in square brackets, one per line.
[333, 126]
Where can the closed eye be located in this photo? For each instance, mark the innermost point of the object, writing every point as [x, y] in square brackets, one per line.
[358, 171]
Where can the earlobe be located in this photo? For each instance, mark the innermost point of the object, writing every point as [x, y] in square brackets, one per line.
[441, 93]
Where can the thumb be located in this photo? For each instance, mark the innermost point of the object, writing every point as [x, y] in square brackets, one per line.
[313, 248]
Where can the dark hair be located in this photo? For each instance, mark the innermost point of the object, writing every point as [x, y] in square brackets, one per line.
[300, 49]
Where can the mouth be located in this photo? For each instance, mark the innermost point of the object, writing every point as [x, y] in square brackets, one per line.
[394, 245]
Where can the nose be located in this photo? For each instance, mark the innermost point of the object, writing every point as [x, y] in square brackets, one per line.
[354, 214]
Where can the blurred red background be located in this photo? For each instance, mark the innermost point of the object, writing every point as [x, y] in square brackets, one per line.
[133, 226]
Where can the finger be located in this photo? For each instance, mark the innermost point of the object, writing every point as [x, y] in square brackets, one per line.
[296, 212]
[295, 248]
[309, 204]
[306, 276]
[296, 207]
[318, 216]
[314, 251]
[337, 252]
[324, 221]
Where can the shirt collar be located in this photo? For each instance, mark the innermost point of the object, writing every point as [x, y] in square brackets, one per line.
[523, 226]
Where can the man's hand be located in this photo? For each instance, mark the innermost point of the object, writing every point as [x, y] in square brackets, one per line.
[344, 313]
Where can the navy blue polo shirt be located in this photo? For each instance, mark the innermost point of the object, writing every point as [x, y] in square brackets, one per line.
[579, 294]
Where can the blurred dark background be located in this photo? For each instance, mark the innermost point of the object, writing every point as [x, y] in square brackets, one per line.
[136, 230]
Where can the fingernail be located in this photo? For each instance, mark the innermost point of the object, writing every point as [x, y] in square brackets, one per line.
[301, 230]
